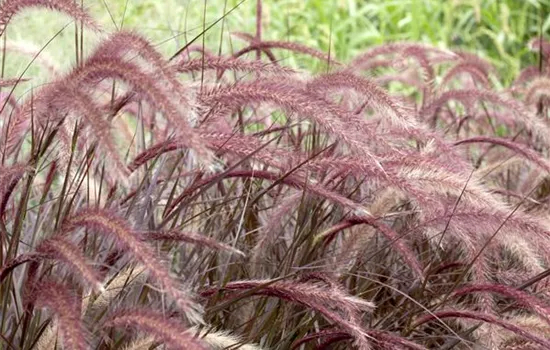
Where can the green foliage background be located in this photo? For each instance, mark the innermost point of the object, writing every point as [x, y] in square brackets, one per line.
[496, 29]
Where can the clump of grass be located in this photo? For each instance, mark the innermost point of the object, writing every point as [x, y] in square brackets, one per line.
[250, 205]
